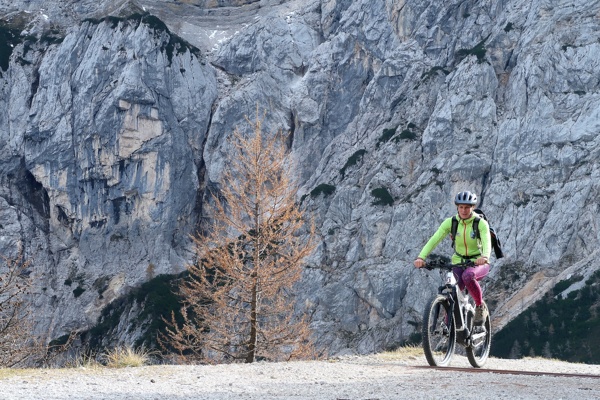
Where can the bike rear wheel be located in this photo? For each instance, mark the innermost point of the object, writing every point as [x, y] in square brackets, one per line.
[439, 332]
[480, 344]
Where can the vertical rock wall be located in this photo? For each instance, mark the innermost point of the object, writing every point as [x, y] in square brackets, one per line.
[113, 128]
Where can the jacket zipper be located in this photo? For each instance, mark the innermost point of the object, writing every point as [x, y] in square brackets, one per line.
[465, 239]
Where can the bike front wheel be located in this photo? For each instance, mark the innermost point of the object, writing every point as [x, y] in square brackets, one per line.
[480, 344]
[439, 332]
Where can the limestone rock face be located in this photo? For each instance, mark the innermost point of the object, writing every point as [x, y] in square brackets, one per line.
[114, 118]
[110, 146]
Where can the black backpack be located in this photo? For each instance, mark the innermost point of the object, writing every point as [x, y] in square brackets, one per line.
[496, 245]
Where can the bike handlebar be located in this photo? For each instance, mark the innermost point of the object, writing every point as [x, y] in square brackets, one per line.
[439, 264]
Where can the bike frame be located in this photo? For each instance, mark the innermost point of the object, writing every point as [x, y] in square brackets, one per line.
[459, 303]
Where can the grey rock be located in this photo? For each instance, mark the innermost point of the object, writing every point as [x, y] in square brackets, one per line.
[113, 130]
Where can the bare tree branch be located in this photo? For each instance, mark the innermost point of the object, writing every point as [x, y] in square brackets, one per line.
[17, 344]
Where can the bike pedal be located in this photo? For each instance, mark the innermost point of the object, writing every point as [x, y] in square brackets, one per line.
[479, 329]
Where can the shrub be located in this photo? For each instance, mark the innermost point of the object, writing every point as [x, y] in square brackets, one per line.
[323, 188]
[478, 51]
[122, 357]
[384, 198]
[407, 134]
[387, 135]
[78, 291]
[354, 158]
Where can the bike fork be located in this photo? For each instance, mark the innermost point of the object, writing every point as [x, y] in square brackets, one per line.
[449, 315]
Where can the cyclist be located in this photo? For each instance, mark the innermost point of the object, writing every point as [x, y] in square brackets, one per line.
[467, 247]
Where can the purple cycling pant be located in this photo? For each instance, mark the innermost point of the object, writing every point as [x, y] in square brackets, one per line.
[470, 278]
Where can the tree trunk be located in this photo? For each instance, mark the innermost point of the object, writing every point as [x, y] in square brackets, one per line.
[253, 328]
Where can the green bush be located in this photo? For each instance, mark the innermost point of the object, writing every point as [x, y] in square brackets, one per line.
[323, 188]
[478, 51]
[384, 198]
[387, 135]
[407, 135]
[354, 158]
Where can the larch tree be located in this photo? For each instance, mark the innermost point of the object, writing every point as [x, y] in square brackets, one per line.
[17, 344]
[239, 298]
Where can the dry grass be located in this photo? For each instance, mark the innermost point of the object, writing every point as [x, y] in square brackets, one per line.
[122, 357]
[9, 372]
[87, 362]
[409, 352]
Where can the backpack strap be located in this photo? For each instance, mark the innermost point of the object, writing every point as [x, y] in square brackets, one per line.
[476, 227]
[453, 230]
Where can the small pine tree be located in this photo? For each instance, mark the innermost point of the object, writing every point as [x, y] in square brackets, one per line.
[239, 297]
[515, 351]
[547, 352]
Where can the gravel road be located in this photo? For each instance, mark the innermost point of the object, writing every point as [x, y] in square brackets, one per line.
[385, 376]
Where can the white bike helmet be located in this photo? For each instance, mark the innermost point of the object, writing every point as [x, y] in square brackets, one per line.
[465, 198]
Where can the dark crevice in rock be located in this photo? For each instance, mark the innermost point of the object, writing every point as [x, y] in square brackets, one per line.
[34, 87]
[201, 193]
[63, 218]
[290, 136]
[34, 192]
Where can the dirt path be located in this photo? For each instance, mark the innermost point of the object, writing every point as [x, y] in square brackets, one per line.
[373, 377]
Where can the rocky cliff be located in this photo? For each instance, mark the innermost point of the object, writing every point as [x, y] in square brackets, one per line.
[114, 117]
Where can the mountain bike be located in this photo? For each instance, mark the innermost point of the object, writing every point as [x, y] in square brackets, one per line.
[448, 319]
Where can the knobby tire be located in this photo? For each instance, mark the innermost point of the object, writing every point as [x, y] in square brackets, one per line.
[439, 332]
[481, 343]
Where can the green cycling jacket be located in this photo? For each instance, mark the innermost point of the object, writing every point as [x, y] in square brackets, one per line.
[466, 245]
